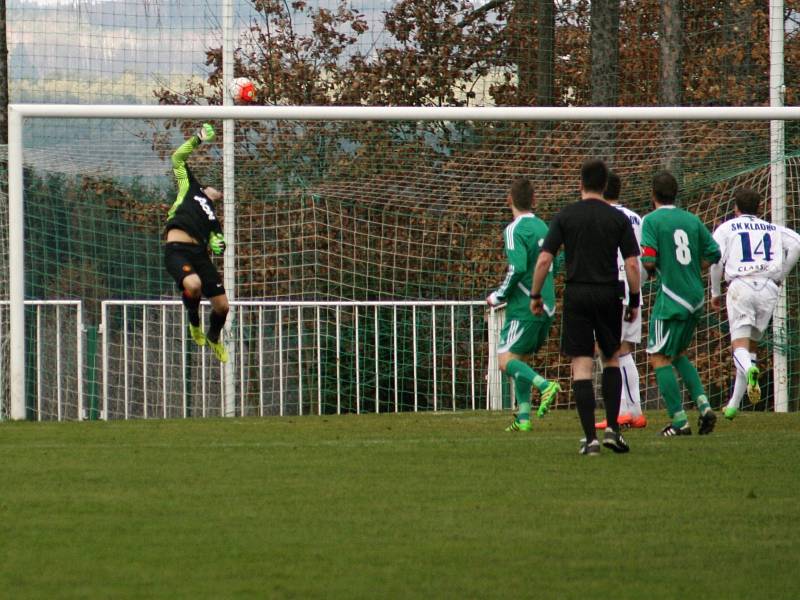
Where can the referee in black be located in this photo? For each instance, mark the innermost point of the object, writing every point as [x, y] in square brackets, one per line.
[591, 232]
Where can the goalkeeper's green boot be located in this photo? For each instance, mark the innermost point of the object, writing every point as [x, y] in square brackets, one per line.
[520, 426]
[753, 389]
[198, 335]
[219, 350]
[548, 397]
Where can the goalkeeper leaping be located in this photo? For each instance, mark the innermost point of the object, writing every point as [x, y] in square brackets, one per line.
[192, 229]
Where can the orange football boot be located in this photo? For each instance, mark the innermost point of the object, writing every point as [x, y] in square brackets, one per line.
[639, 422]
[624, 420]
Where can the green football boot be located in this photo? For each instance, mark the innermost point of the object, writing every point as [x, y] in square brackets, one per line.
[197, 334]
[730, 412]
[520, 426]
[753, 389]
[219, 350]
[549, 396]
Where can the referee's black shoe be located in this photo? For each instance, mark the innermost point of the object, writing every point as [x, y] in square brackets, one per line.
[706, 422]
[613, 440]
[589, 448]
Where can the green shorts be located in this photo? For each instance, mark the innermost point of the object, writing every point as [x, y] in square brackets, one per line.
[523, 336]
[671, 336]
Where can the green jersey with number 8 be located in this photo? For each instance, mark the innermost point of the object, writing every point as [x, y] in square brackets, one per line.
[677, 242]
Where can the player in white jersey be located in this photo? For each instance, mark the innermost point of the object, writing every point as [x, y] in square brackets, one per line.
[630, 408]
[756, 258]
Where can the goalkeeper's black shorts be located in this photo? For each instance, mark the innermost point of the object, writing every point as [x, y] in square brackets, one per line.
[183, 259]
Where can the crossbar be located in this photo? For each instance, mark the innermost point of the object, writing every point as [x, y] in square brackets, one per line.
[410, 113]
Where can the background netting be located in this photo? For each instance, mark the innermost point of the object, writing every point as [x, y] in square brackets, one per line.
[380, 210]
[358, 211]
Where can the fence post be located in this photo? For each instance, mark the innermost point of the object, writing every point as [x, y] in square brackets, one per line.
[494, 377]
[91, 371]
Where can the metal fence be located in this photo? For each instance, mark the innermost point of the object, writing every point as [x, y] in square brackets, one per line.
[55, 349]
[295, 358]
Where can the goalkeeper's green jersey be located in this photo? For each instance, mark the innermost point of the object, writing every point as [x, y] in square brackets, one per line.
[523, 239]
[192, 211]
[677, 242]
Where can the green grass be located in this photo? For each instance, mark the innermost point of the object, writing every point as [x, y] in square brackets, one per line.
[421, 506]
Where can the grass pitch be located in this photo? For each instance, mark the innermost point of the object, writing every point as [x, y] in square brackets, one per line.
[417, 506]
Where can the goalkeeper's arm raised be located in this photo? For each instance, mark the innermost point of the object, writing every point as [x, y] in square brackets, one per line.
[181, 155]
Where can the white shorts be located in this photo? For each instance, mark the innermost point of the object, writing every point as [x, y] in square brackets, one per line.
[632, 332]
[750, 305]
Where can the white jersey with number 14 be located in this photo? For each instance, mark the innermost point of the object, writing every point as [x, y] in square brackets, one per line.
[750, 247]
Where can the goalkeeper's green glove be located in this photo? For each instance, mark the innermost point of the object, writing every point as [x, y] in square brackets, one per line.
[217, 243]
[206, 133]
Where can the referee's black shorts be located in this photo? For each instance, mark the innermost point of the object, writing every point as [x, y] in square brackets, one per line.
[182, 259]
[592, 313]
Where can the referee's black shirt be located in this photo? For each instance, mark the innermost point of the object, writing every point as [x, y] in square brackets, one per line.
[591, 231]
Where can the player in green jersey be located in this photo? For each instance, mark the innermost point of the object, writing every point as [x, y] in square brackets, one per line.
[523, 332]
[676, 245]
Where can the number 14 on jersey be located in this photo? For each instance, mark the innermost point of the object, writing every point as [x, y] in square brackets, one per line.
[762, 252]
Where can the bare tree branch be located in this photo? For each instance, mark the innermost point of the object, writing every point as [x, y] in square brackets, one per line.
[492, 4]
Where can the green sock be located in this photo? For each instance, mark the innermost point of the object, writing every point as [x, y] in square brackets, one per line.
[540, 382]
[691, 379]
[523, 377]
[703, 405]
[679, 419]
[668, 386]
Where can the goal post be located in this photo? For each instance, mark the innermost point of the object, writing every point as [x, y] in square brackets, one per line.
[19, 113]
[777, 91]
[16, 266]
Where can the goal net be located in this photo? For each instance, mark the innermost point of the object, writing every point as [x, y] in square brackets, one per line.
[369, 222]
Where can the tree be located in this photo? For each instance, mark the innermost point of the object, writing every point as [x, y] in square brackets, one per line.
[3, 75]
[546, 30]
[524, 49]
[671, 80]
[605, 71]
[433, 59]
[605, 52]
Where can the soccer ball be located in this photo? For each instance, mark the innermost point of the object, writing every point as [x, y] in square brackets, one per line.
[242, 90]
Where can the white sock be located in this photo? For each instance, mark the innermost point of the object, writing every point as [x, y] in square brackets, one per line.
[631, 396]
[739, 389]
[742, 360]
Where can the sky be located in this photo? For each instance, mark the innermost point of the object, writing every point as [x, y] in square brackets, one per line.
[55, 43]
[110, 51]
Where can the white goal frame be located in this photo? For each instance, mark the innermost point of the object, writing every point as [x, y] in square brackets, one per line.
[18, 112]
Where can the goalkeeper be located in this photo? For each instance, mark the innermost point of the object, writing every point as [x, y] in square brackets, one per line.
[523, 332]
[192, 230]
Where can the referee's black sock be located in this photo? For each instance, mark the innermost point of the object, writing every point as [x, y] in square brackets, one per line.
[612, 394]
[584, 399]
[215, 325]
[193, 306]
